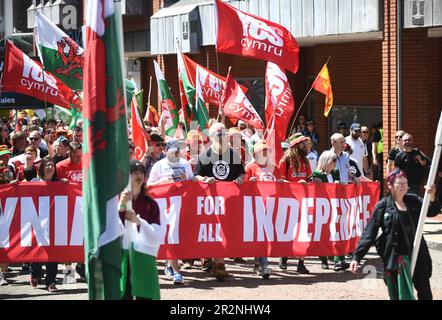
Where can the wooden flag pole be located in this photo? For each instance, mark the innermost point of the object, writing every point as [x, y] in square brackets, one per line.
[426, 200]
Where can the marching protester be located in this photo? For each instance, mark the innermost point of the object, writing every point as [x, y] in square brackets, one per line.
[295, 167]
[337, 141]
[399, 146]
[27, 171]
[171, 169]
[327, 172]
[4, 135]
[301, 126]
[46, 173]
[397, 215]
[365, 137]
[139, 275]
[35, 141]
[19, 143]
[219, 162]
[6, 176]
[413, 162]
[262, 169]
[378, 154]
[154, 153]
[342, 128]
[360, 153]
[71, 168]
[61, 148]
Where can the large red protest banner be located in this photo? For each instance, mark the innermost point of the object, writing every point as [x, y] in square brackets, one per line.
[43, 222]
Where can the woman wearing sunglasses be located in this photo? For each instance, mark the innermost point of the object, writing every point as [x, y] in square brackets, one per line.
[398, 147]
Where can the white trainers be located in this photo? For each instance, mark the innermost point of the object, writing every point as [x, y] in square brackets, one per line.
[3, 281]
[264, 272]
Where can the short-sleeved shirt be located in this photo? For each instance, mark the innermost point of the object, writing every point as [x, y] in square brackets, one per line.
[412, 168]
[293, 175]
[262, 173]
[180, 171]
[343, 165]
[222, 167]
[359, 151]
[67, 170]
[393, 153]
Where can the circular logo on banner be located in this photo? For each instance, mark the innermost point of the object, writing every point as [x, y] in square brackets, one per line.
[221, 169]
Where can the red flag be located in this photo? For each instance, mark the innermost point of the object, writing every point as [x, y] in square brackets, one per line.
[236, 104]
[247, 35]
[280, 106]
[152, 116]
[139, 136]
[212, 84]
[23, 75]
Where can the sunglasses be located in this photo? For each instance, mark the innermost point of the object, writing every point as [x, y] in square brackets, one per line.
[220, 134]
[78, 130]
[364, 131]
[34, 139]
[160, 144]
[398, 137]
[357, 131]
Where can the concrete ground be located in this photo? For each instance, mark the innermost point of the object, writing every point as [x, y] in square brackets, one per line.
[244, 284]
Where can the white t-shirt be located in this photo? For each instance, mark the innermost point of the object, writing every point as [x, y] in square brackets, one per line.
[180, 171]
[330, 178]
[313, 159]
[359, 151]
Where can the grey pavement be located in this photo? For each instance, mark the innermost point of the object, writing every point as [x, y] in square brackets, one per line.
[244, 284]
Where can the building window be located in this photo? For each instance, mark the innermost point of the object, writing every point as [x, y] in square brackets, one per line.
[364, 115]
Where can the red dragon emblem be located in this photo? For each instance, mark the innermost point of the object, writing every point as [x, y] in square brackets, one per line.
[73, 62]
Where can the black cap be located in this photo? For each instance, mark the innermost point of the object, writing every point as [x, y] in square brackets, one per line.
[342, 125]
[310, 121]
[136, 165]
[156, 137]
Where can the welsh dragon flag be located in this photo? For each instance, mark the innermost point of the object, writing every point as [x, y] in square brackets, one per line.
[187, 92]
[59, 54]
[168, 105]
[140, 137]
[200, 106]
[105, 154]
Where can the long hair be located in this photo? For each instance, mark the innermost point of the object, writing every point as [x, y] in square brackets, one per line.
[41, 168]
[293, 157]
[325, 158]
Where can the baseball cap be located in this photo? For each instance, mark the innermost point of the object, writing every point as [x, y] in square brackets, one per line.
[4, 150]
[173, 145]
[355, 126]
[295, 139]
[156, 137]
[136, 165]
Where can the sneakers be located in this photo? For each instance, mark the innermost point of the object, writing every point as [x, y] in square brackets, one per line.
[324, 266]
[33, 282]
[69, 277]
[169, 272]
[264, 272]
[52, 288]
[302, 269]
[283, 263]
[220, 272]
[341, 265]
[177, 278]
[3, 281]
[81, 271]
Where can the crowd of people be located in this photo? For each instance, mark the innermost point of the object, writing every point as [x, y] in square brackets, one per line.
[50, 151]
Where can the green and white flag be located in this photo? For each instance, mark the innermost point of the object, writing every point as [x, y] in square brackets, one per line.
[60, 54]
[200, 105]
[105, 151]
[168, 105]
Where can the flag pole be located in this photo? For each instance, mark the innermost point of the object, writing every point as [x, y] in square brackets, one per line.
[426, 200]
[178, 46]
[303, 101]
[148, 96]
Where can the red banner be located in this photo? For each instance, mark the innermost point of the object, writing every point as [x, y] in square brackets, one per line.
[43, 222]
[23, 75]
[247, 35]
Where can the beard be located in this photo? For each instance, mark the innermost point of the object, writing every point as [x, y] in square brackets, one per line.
[303, 152]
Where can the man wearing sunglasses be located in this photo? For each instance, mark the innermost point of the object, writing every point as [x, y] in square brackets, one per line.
[413, 162]
[359, 150]
[154, 153]
[219, 162]
[35, 141]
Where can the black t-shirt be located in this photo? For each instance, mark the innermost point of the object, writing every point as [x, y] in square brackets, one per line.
[393, 153]
[225, 167]
[58, 158]
[354, 168]
[412, 168]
